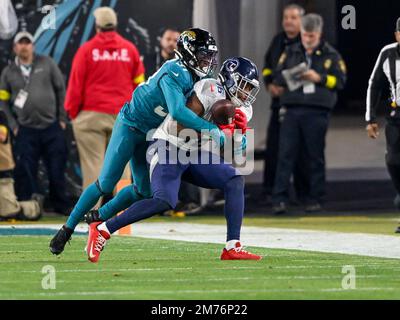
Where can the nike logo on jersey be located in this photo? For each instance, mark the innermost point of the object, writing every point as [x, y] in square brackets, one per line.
[175, 74]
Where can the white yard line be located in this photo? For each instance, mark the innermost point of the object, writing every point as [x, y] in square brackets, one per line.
[372, 245]
[308, 240]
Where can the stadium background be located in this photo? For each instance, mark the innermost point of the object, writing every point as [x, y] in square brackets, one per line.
[244, 27]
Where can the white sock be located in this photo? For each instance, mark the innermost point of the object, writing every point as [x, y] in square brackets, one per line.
[231, 244]
[103, 227]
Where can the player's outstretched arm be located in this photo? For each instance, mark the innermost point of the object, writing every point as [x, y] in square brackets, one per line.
[176, 102]
[194, 104]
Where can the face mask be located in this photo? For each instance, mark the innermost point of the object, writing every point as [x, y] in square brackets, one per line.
[206, 63]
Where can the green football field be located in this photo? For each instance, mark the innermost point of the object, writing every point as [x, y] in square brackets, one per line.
[139, 268]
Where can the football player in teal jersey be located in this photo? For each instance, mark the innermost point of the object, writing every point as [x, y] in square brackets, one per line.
[164, 93]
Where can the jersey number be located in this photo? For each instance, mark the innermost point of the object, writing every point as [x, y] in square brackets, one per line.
[160, 111]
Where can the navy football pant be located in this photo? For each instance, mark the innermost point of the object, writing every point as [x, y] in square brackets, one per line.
[165, 183]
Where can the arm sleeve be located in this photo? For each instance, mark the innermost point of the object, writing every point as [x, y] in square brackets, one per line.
[76, 85]
[374, 92]
[5, 98]
[59, 88]
[335, 78]
[176, 103]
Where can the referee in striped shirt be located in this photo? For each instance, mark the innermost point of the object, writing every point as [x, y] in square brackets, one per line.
[387, 72]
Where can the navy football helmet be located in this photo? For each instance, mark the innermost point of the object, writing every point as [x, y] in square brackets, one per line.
[239, 77]
[198, 51]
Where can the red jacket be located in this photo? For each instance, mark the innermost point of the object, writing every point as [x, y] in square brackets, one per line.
[104, 73]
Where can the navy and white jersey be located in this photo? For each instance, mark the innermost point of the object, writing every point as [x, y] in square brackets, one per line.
[208, 91]
[386, 72]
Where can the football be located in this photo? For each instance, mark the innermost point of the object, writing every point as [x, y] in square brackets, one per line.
[223, 112]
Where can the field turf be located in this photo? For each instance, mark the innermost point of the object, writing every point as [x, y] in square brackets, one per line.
[137, 268]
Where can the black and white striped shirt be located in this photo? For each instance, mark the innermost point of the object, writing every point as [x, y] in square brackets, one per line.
[387, 69]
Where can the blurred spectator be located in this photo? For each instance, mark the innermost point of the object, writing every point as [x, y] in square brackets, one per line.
[291, 24]
[311, 72]
[32, 95]
[10, 208]
[105, 71]
[164, 51]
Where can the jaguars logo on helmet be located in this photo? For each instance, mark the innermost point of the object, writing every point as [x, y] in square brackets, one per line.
[188, 35]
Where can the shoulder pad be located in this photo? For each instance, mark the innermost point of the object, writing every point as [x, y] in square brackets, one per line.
[208, 91]
[210, 88]
[209, 85]
[177, 71]
[176, 68]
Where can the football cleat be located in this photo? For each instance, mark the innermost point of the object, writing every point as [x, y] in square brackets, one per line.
[58, 242]
[96, 242]
[238, 254]
[92, 216]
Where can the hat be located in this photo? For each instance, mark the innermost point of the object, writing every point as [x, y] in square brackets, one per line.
[105, 17]
[23, 35]
[398, 25]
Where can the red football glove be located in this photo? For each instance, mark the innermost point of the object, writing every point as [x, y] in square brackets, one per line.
[228, 129]
[240, 120]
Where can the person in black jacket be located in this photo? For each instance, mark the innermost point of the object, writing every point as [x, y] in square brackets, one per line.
[291, 23]
[163, 51]
[32, 92]
[385, 74]
[310, 95]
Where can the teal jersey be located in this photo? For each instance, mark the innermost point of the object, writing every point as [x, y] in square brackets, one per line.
[165, 92]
